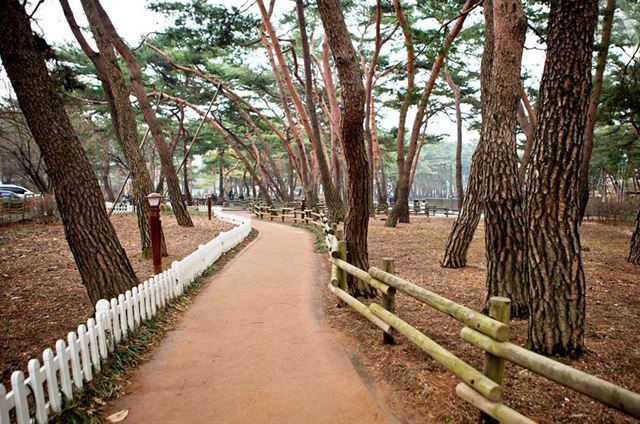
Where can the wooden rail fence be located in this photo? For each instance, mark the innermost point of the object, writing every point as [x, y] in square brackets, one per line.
[484, 390]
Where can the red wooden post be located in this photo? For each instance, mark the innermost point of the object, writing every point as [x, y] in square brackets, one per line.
[154, 223]
[303, 206]
[209, 206]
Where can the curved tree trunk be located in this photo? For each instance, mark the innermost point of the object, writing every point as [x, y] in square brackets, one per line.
[502, 193]
[554, 262]
[456, 97]
[331, 194]
[603, 52]
[634, 250]
[400, 211]
[101, 260]
[124, 123]
[166, 159]
[356, 224]
[461, 235]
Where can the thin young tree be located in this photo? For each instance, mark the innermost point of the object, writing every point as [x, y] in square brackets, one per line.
[554, 263]
[356, 224]
[103, 265]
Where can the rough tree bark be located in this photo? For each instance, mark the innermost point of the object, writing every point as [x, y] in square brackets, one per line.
[461, 235]
[123, 119]
[603, 51]
[178, 206]
[106, 168]
[101, 260]
[501, 193]
[331, 192]
[456, 97]
[634, 250]
[356, 224]
[554, 263]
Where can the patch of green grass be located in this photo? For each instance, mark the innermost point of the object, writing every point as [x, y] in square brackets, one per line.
[88, 404]
[318, 234]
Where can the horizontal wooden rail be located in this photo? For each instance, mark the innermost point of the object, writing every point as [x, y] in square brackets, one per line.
[481, 383]
[592, 386]
[364, 276]
[497, 410]
[360, 307]
[482, 323]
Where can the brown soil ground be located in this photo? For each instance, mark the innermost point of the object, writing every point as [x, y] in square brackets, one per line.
[41, 295]
[425, 390]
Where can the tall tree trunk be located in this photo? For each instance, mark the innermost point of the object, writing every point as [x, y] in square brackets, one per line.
[331, 194]
[456, 97]
[502, 194]
[185, 171]
[461, 235]
[221, 174]
[603, 52]
[356, 224]
[303, 159]
[334, 116]
[634, 250]
[554, 262]
[368, 104]
[106, 167]
[103, 265]
[166, 159]
[302, 116]
[400, 211]
[124, 123]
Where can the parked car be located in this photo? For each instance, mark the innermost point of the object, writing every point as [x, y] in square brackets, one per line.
[19, 191]
[6, 194]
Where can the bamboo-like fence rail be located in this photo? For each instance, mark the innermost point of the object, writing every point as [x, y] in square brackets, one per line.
[484, 390]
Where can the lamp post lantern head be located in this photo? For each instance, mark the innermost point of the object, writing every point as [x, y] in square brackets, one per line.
[154, 199]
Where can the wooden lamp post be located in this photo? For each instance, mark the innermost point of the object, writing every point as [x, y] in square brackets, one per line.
[154, 222]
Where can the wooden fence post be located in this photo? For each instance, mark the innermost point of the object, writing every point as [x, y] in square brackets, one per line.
[342, 275]
[283, 211]
[500, 310]
[388, 300]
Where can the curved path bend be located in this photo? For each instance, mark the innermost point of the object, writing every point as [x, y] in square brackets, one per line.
[253, 348]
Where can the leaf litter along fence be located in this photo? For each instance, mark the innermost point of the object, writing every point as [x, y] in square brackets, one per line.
[485, 389]
[79, 359]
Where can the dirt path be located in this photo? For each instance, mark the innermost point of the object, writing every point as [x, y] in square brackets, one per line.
[253, 348]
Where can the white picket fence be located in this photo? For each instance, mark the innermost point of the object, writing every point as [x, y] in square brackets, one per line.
[120, 209]
[78, 359]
